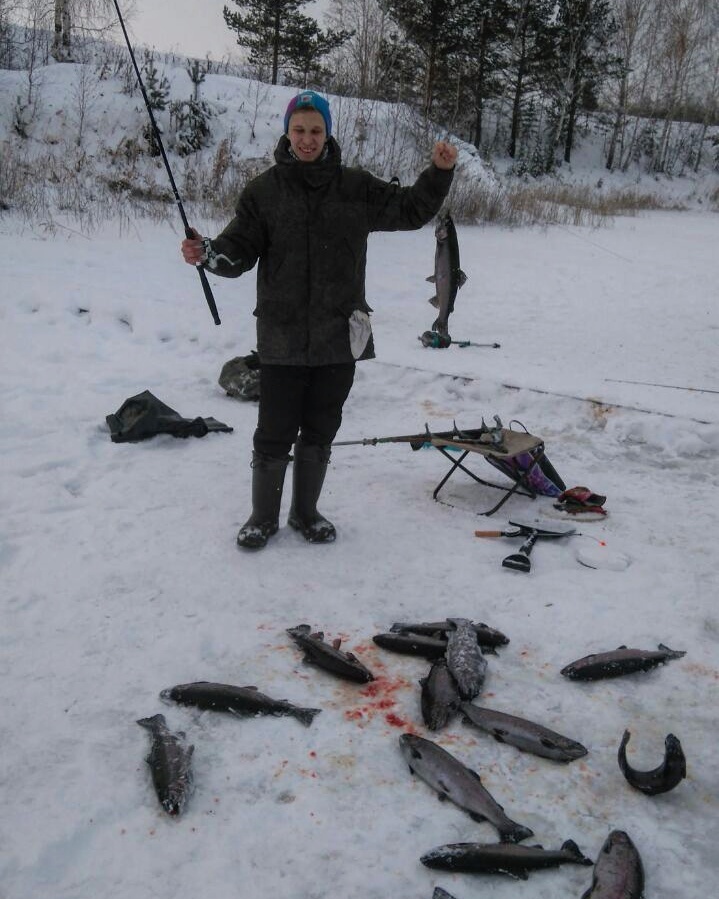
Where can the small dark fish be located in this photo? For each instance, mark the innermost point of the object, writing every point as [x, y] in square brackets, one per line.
[329, 656]
[412, 644]
[661, 779]
[170, 762]
[448, 277]
[502, 858]
[464, 658]
[440, 697]
[454, 781]
[243, 701]
[487, 637]
[619, 662]
[618, 870]
[525, 735]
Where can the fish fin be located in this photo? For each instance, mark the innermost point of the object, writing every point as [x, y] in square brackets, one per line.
[521, 873]
[433, 301]
[548, 744]
[475, 816]
[499, 734]
[432, 279]
[623, 646]
[336, 643]
[461, 278]
[318, 635]
[250, 687]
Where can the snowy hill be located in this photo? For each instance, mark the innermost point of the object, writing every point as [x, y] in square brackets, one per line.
[75, 136]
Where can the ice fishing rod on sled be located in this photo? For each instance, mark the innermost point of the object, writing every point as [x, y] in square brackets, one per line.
[487, 437]
[156, 131]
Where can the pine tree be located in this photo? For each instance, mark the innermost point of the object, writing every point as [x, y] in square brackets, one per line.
[434, 27]
[305, 44]
[584, 58]
[276, 34]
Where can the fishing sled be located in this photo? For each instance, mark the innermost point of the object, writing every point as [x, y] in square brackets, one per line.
[518, 455]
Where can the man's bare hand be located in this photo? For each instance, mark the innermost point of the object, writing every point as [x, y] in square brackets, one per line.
[444, 155]
[193, 250]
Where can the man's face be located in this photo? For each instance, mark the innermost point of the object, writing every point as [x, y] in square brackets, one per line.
[307, 134]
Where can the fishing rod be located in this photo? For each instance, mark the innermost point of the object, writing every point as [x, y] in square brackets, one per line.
[156, 131]
[667, 386]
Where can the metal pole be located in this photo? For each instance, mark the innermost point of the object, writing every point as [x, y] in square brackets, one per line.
[156, 131]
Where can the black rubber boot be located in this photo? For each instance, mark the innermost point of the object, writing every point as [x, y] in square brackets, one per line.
[308, 475]
[268, 477]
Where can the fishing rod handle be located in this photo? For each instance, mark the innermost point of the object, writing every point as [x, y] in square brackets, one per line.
[489, 533]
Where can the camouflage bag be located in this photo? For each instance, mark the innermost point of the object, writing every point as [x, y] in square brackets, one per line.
[240, 377]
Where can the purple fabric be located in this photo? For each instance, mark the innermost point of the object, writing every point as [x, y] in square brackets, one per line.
[526, 466]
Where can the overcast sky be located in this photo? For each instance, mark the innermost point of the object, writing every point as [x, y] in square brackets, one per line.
[192, 27]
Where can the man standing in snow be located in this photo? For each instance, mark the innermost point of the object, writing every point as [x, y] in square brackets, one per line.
[306, 220]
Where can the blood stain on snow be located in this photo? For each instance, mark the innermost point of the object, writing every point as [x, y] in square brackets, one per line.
[380, 696]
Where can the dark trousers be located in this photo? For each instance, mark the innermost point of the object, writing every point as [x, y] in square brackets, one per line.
[298, 400]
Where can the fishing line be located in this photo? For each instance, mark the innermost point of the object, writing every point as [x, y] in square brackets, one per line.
[594, 244]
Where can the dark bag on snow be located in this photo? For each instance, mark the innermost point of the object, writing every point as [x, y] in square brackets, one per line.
[143, 416]
[240, 377]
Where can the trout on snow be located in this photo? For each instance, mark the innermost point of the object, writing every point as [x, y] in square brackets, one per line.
[487, 637]
[661, 779]
[243, 701]
[618, 870]
[440, 696]
[448, 277]
[502, 858]
[464, 658]
[525, 735]
[170, 762]
[619, 662]
[454, 781]
[329, 656]
[412, 644]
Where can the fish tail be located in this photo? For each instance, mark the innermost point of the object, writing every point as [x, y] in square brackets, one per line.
[156, 722]
[300, 631]
[672, 653]
[571, 847]
[306, 716]
[515, 833]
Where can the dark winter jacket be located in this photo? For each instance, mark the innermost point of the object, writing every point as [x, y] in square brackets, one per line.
[307, 223]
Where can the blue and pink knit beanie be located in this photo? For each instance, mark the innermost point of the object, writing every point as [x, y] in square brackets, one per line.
[310, 100]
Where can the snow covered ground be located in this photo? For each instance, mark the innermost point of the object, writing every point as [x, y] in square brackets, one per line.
[121, 577]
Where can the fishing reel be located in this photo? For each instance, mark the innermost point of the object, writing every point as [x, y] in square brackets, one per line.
[435, 340]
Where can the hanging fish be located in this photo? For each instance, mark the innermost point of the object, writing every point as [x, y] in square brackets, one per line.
[448, 277]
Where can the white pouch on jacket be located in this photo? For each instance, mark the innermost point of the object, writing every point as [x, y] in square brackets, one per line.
[360, 332]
